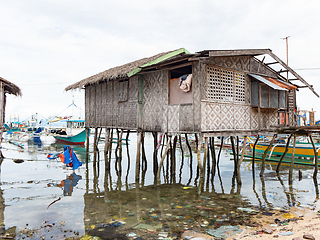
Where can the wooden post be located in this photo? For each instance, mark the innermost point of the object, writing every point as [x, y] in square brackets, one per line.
[173, 159]
[182, 158]
[95, 146]
[120, 152]
[199, 162]
[265, 155]
[221, 145]
[106, 148]
[315, 158]
[284, 154]
[128, 156]
[162, 159]
[254, 153]
[292, 159]
[138, 156]
[243, 149]
[87, 144]
[190, 164]
[213, 159]
[155, 154]
[234, 154]
[205, 155]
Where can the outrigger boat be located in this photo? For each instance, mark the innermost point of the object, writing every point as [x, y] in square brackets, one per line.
[301, 149]
[75, 133]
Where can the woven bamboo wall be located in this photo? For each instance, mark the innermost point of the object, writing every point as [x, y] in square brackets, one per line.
[226, 105]
[112, 104]
[223, 116]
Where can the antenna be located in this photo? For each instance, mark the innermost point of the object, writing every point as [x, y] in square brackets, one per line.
[286, 38]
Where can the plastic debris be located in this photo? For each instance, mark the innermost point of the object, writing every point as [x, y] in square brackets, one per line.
[224, 231]
[192, 235]
[248, 210]
[289, 216]
[147, 226]
[131, 234]
[285, 233]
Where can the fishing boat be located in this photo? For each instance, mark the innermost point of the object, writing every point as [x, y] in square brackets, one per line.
[75, 133]
[301, 149]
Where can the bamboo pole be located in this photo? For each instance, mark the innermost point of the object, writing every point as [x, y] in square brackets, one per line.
[199, 162]
[243, 149]
[205, 155]
[221, 145]
[284, 154]
[106, 148]
[213, 159]
[292, 159]
[191, 160]
[162, 159]
[138, 156]
[87, 144]
[254, 153]
[173, 159]
[315, 158]
[265, 155]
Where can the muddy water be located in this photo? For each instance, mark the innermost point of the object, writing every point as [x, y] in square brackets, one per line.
[43, 198]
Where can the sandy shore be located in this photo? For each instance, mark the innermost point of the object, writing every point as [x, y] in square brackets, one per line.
[298, 221]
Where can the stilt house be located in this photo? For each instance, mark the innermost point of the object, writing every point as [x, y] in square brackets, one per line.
[10, 88]
[214, 92]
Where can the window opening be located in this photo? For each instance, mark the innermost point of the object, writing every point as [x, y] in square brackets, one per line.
[224, 85]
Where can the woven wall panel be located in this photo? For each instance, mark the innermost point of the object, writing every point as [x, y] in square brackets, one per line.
[237, 63]
[210, 115]
[259, 68]
[132, 112]
[199, 72]
[92, 106]
[87, 106]
[227, 116]
[186, 118]
[109, 103]
[254, 123]
[274, 117]
[103, 104]
[173, 118]
[152, 108]
[241, 117]
[133, 88]
[98, 107]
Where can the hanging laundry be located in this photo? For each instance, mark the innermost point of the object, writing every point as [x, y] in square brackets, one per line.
[185, 82]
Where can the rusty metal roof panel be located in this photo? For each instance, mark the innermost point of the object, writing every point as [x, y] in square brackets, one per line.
[273, 83]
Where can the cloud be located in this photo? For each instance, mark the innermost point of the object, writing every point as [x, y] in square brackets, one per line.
[47, 45]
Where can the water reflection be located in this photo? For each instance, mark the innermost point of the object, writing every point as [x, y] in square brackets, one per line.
[69, 183]
[109, 190]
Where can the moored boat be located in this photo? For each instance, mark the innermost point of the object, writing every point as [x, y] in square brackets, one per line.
[75, 133]
[301, 149]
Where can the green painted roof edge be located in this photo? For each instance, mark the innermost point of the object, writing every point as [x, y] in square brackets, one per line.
[160, 59]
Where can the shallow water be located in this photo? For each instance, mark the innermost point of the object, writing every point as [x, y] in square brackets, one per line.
[42, 198]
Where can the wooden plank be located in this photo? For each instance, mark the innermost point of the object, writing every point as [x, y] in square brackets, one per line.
[253, 52]
[293, 72]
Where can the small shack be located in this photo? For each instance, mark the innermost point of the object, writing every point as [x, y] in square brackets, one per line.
[210, 93]
[6, 87]
[230, 92]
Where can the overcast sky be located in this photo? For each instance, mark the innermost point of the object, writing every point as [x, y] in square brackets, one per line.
[47, 45]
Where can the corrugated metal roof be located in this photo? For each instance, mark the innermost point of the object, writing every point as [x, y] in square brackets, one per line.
[274, 83]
